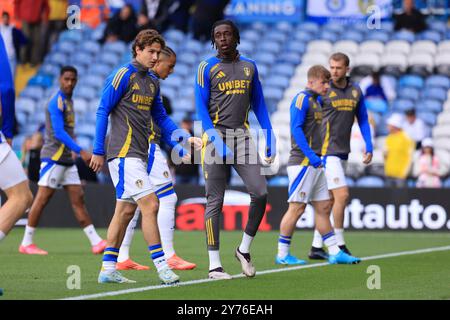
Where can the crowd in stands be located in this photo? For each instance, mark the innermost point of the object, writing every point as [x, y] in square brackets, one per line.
[404, 134]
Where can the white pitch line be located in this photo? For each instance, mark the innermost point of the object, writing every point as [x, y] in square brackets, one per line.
[186, 283]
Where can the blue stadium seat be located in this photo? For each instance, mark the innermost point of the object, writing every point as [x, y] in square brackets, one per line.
[249, 35]
[85, 142]
[26, 105]
[285, 69]
[350, 182]
[264, 57]
[279, 81]
[193, 45]
[352, 35]
[411, 81]
[183, 69]
[438, 81]
[430, 35]
[408, 93]
[378, 35]
[110, 58]
[97, 33]
[100, 69]
[327, 35]
[439, 94]
[188, 58]
[66, 47]
[333, 27]
[184, 104]
[437, 25]
[18, 141]
[387, 26]
[92, 47]
[85, 129]
[428, 117]
[402, 105]
[83, 58]
[86, 92]
[309, 27]
[174, 35]
[404, 35]
[263, 70]
[290, 57]
[169, 92]
[186, 92]
[303, 36]
[297, 47]
[93, 80]
[370, 182]
[246, 46]
[117, 47]
[50, 69]
[21, 118]
[276, 36]
[41, 80]
[80, 105]
[173, 81]
[33, 92]
[72, 35]
[429, 105]
[269, 47]
[284, 27]
[376, 105]
[57, 58]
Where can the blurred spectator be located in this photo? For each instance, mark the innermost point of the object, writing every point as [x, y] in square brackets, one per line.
[14, 39]
[187, 173]
[179, 14]
[374, 95]
[411, 19]
[206, 12]
[427, 167]
[115, 5]
[415, 128]
[56, 22]
[33, 14]
[93, 12]
[30, 155]
[357, 143]
[156, 13]
[398, 153]
[384, 82]
[122, 26]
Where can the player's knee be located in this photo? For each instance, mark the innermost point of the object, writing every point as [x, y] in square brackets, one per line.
[259, 196]
[344, 196]
[326, 206]
[28, 199]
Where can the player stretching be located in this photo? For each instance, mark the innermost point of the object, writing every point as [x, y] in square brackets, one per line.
[131, 96]
[307, 181]
[160, 177]
[13, 180]
[226, 86]
[343, 101]
[58, 168]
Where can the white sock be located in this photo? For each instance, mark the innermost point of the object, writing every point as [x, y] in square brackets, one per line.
[329, 240]
[124, 251]
[284, 245]
[339, 236]
[109, 266]
[160, 263]
[2, 235]
[245, 243]
[92, 235]
[317, 240]
[214, 259]
[166, 223]
[28, 236]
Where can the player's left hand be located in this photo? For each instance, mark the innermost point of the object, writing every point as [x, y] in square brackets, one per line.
[367, 158]
[96, 163]
[196, 142]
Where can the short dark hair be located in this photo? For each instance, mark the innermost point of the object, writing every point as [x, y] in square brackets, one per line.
[5, 13]
[230, 23]
[168, 51]
[68, 69]
[339, 56]
[146, 38]
[411, 112]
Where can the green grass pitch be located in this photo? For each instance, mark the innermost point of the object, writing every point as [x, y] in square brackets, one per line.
[416, 276]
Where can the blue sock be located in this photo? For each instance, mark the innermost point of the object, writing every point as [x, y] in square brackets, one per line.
[157, 255]
[284, 244]
[110, 259]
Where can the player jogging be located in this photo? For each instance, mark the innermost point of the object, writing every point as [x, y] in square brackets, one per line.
[162, 179]
[131, 97]
[13, 180]
[226, 86]
[343, 101]
[307, 181]
[57, 166]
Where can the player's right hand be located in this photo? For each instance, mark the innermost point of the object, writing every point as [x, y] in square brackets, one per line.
[96, 163]
[196, 142]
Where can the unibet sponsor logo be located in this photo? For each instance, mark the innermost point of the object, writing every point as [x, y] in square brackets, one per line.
[234, 86]
[344, 104]
[140, 99]
[395, 217]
